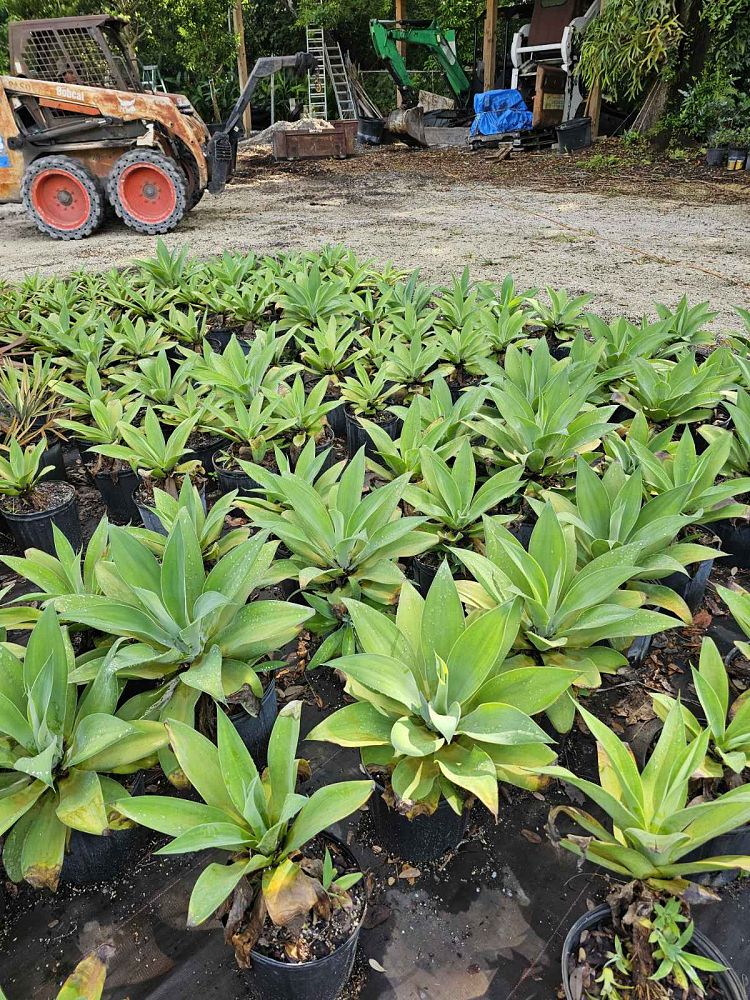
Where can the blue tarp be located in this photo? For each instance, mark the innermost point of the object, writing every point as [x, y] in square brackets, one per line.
[500, 111]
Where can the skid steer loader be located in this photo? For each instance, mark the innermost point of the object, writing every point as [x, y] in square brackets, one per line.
[78, 132]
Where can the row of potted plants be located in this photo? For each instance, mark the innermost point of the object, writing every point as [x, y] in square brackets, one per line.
[544, 532]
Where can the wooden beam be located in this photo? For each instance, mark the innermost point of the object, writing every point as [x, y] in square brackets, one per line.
[400, 45]
[490, 45]
[594, 102]
[238, 25]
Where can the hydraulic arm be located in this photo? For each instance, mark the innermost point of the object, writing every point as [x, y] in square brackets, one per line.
[440, 42]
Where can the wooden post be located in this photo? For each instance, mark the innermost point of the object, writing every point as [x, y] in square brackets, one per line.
[490, 45]
[400, 45]
[594, 103]
[238, 25]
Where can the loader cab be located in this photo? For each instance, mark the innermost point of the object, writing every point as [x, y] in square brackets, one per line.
[92, 51]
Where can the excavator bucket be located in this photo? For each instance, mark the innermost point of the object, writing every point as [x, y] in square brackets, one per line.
[407, 124]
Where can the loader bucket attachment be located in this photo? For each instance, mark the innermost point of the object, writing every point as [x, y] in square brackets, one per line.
[407, 124]
[221, 156]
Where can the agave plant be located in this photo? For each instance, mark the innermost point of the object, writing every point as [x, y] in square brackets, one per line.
[346, 545]
[188, 626]
[564, 315]
[409, 364]
[738, 460]
[654, 823]
[146, 299]
[303, 415]
[22, 471]
[250, 429]
[308, 298]
[329, 348]
[78, 398]
[568, 614]
[545, 434]
[209, 525]
[28, 401]
[728, 752]
[259, 821]
[402, 456]
[167, 268]
[622, 342]
[135, 339]
[311, 466]
[435, 707]
[688, 323]
[610, 512]
[464, 357]
[106, 421]
[161, 462]
[237, 374]
[503, 328]
[57, 750]
[366, 395]
[154, 380]
[450, 500]
[619, 445]
[681, 391]
[708, 499]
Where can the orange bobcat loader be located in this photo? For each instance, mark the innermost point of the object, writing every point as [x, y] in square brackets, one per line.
[78, 131]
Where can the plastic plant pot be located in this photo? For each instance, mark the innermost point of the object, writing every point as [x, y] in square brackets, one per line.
[735, 542]
[337, 420]
[90, 859]
[423, 838]
[233, 479]
[220, 336]
[424, 573]
[150, 518]
[34, 530]
[690, 588]
[255, 730]
[54, 456]
[117, 493]
[728, 982]
[205, 454]
[575, 134]
[716, 156]
[323, 979]
[357, 436]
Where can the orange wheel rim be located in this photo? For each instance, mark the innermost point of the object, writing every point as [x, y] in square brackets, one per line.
[60, 199]
[147, 192]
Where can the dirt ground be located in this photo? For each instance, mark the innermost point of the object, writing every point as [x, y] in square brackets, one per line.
[632, 229]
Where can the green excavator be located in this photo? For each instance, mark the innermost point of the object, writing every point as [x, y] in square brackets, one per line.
[409, 121]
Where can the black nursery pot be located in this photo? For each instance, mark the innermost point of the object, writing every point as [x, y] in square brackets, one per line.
[205, 455]
[423, 838]
[735, 842]
[117, 493]
[716, 156]
[323, 979]
[728, 981]
[219, 337]
[90, 859]
[233, 479]
[34, 530]
[337, 420]
[735, 542]
[256, 730]
[690, 588]
[54, 456]
[356, 435]
[423, 573]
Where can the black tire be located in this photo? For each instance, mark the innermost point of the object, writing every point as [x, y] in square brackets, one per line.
[195, 192]
[43, 190]
[136, 207]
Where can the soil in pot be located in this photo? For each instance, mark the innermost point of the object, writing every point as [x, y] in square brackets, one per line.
[357, 436]
[423, 838]
[316, 961]
[592, 938]
[30, 517]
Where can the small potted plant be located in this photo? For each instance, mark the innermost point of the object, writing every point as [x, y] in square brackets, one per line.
[115, 479]
[161, 462]
[31, 503]
[290, 895]
[305, 416]
[366, 396]
[654, 827]
[250, 432]
[210, 646]
[58, 761]
[437, 720]
[453, 505]
[327, 351]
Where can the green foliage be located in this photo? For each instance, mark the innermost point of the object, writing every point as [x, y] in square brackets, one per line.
[653, 823]
[56, 748]
[670, 940]
[434, 708]
[22, 470]
[728, 725]
[185, 623]
[258, 820]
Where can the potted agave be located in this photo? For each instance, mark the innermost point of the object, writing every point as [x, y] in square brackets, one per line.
[249, 432]
[115, 479]
[366, 396]
[305, 416]
[290, 895]
[59, 751]
[189, 630]
[31, 504]
[643, 943]
[437, 719]
[327, 351]
[161, 462]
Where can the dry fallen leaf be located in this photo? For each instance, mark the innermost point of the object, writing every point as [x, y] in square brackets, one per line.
[409, 872]
[533, 838]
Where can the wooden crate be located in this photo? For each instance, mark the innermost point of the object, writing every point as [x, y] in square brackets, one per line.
[309, 144]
